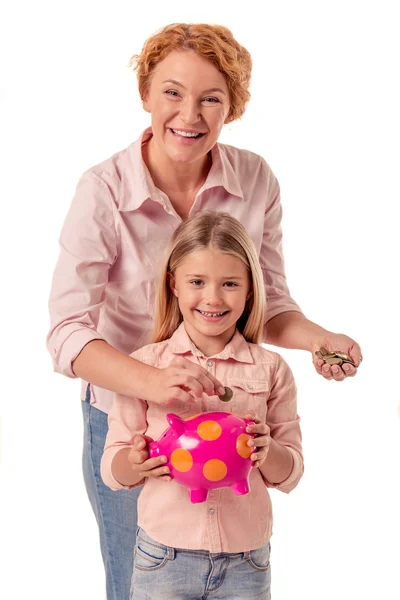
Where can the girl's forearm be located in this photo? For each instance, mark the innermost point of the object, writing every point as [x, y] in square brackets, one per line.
[279, 463]
[122, 470]
[104, 366]
[293, 330]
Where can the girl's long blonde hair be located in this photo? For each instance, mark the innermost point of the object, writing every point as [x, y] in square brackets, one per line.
[216, 231]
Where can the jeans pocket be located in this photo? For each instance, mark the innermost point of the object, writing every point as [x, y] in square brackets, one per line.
[148, 556]
[258, 559]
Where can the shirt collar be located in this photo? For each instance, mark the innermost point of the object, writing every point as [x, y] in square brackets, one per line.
[237, 348]
[138, 186]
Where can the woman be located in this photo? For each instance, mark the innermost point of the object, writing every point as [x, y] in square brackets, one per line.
[193, 79]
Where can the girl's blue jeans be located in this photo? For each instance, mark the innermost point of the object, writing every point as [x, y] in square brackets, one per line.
[164, 573]
[116, 512]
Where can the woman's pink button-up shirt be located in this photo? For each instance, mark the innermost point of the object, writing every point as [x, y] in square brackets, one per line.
[262, 383]
[113, 244]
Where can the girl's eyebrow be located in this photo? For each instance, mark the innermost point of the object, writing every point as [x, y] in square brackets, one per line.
[215, 89]
[204, 276]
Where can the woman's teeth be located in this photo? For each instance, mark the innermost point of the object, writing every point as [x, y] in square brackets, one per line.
[185, 133]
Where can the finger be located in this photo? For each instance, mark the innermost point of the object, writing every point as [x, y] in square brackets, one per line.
[139, 441]
[349, 370]
[259, 442]
[337, 373]
[210, 384]
[158, 472]
[252, 417]
[318, 364]
[326, 372]
[188, 383]
[154, 463]
[138, 457]
[259, 428]
[355, 354]
[177, 393]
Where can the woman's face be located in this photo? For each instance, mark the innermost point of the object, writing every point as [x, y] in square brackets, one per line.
[188, 100]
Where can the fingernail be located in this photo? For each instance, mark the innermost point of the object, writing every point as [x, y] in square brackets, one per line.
[163, 459]
[346, 367]
[326, 368]
[221, 390]
[250, 443]
[335, 369]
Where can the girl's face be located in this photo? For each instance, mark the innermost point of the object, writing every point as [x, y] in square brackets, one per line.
[189, 103]
[212, 289]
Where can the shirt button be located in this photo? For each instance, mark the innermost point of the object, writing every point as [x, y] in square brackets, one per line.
[209, 363]
[211, 511]
[249, 386]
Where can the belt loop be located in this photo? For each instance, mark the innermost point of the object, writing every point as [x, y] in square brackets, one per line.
[246, 555]
[171, 553]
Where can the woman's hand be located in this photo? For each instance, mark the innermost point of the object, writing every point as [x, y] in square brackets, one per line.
[261, 442]
[332, 342]
[181, 380]
[142, 465]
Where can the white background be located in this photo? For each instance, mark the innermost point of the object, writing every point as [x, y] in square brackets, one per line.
[325, 115]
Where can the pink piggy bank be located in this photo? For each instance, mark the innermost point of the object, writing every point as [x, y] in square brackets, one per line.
[206, 452]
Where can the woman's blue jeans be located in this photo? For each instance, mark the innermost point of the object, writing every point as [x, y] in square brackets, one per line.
[116, 512]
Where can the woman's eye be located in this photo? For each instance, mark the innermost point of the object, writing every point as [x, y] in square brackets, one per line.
[172, 93]
[211, 100]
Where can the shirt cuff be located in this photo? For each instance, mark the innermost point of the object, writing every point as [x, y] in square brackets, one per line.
[64, 356]
[294, 477]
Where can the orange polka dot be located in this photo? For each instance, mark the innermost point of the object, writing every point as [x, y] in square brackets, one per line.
[181, 460]
[241, 446]
[209, 430]
[215, 470]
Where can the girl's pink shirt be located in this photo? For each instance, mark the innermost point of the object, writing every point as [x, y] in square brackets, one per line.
[263, 384]
[114, 240]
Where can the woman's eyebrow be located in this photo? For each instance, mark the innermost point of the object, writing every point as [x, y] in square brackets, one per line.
[215, 89]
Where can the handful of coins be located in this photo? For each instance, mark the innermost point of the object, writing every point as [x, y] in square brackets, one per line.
[334, 358]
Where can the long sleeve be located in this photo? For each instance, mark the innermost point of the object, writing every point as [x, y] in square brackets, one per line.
[284, 422]
[271, 254]
[88, 248]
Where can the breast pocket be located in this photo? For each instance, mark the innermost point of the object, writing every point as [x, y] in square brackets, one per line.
[250, 396]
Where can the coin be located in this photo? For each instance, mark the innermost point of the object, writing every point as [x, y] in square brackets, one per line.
[333, 360]
[227, 396]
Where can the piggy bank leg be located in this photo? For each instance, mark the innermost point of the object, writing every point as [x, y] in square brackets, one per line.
[241, 487]
[198, 495]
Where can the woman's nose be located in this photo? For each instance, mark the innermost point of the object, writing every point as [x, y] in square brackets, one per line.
[190, 112]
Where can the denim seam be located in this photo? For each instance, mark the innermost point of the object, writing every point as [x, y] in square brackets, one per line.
[99, 502]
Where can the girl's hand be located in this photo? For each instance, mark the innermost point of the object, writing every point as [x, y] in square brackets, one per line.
[332, 342]
[261, 442]
[142, 465]
[181, 377]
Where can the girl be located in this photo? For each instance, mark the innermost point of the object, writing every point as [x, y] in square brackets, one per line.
[210, 311]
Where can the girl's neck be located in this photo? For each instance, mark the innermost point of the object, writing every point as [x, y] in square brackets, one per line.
[207, 344]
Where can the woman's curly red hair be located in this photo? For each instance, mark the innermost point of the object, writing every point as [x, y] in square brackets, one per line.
[214, 43]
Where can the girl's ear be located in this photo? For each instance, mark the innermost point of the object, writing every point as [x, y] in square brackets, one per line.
[171, 282]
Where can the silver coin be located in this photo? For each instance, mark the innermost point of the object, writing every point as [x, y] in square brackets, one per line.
[227, 396]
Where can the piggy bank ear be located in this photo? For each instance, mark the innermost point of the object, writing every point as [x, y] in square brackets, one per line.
[177, 424]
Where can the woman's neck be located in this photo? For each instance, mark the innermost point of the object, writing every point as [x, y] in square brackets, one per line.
[175, 179]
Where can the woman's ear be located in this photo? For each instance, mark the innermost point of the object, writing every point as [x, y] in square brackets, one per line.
[171, 283]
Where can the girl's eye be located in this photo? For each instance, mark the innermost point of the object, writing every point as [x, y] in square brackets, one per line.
[230, 284]
[196, 282]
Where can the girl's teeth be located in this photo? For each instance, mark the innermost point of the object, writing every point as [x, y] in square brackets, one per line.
[185, 133]
[211, 314]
